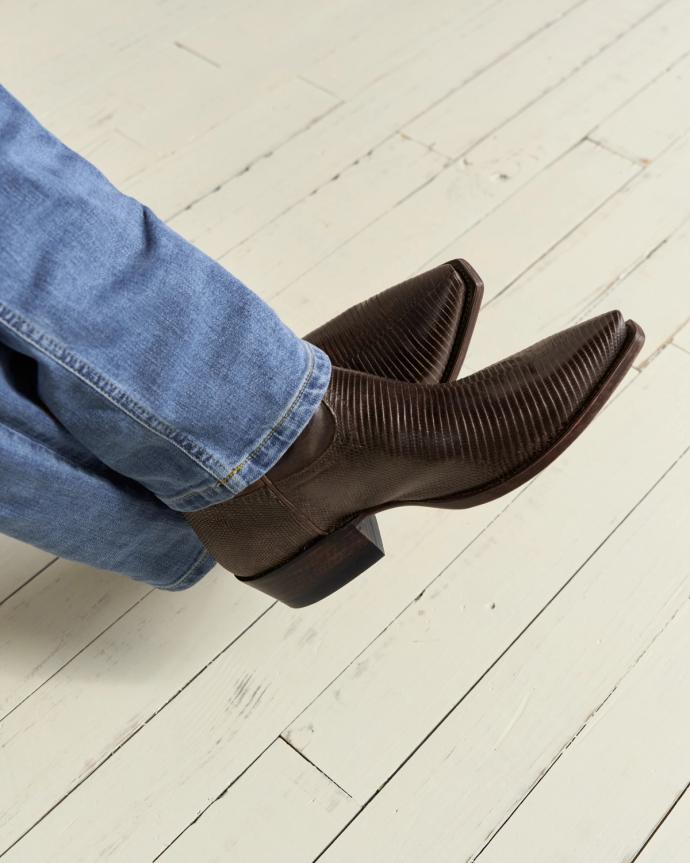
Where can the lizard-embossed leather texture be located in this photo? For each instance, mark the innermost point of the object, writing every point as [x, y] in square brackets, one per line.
[417, 330]
[391, 442]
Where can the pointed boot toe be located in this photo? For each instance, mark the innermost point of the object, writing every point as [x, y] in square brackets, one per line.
[306, 528]
[526, 409]
[418, 330]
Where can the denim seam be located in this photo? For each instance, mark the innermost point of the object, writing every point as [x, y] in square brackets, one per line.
[47, 345]
[222, 482]
[281, 422]
[189, 577]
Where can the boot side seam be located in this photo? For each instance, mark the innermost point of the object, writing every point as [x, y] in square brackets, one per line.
[300, 517]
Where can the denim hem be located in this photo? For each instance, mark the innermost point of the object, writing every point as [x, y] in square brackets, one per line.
[50, 347]
[202, 565]
[226, 482]
[272, 446]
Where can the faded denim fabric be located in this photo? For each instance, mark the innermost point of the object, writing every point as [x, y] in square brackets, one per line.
[138, 378]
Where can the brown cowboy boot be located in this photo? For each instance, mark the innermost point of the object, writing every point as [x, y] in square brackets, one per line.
[304, 529]
[418, 330]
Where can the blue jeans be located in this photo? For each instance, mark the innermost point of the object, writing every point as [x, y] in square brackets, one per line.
[138, 378]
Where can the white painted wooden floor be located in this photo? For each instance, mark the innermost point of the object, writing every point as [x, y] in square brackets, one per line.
[512, 683]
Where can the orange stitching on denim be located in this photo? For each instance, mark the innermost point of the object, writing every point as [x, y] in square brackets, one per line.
[295, 402]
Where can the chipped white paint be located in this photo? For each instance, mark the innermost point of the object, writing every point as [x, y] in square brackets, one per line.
[44, 625]
[112, 687]
[457, 123]
[307, 161]
[428, 657]
[618, 779]
[290, 794]
[226, 716]
[565, 285]
[570, 190]
[551, 689]
[465, 193]
[318, 225]
[650, 122]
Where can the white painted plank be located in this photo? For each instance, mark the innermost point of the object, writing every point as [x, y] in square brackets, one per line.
[655, 293]
[571, 279]
[455, 124]
[282, 808]
[204, 96]
[306, 162]
[118, 156]
[471, 775]
[524, 228]
[135, 94]
[390, 36]
[123, 63]
[272, 37]
[682, 338]
[248, 695]
[240, 703]
[229, 148]
[647, 124]
[286, 248]
[52, 618]
[462, 195]
[572, 110]
[623, 770]
[77, 718]
[18, 563]
[107, 33]
[131, 89]
[427, 658]
[671, 844]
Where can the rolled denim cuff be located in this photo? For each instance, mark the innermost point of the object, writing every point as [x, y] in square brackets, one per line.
[272, 445]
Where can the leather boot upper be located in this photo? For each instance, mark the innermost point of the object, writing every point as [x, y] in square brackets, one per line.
[405, 333]
[394, 442]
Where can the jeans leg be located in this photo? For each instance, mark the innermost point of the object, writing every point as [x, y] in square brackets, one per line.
[151, 355]
[57, 495]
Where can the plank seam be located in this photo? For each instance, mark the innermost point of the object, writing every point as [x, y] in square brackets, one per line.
[660, 822]
[315, 766]
[479, 679]
[388, 137]
[215, 800]
[574, 71]
[662, 347]
[587, 722]
[28, 581]
[623, 274]
[624, 104]
[196, 54]
[74, 656]
[461, 158]
[631, 180]
[142, 726]
[603, 145]
[265, 155]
